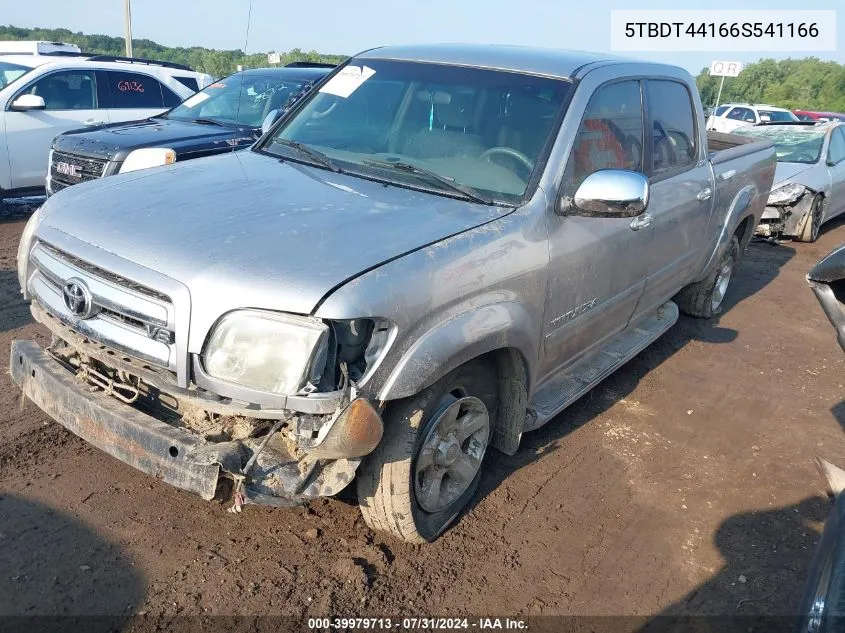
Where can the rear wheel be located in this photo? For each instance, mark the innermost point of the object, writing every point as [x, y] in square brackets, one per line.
[704, 298]
[813, 225]
[427, 467]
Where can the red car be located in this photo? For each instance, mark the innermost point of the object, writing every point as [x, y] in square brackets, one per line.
[809, 115]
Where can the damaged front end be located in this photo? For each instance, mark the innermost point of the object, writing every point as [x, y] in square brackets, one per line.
[191, 438]
[787, 210]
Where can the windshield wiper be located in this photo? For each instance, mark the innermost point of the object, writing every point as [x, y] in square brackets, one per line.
[207, 122]
[447, 183]
[309, 151]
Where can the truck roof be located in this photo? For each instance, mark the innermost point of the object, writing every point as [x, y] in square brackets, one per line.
[541, 61]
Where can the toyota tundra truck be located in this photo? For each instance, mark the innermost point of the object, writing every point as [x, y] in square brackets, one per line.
[437, 250]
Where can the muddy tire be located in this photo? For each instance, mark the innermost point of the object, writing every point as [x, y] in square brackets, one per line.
[704, 298]
[427, 467]
[813, 225]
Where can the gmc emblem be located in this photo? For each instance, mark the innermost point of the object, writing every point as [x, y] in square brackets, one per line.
[68, 170]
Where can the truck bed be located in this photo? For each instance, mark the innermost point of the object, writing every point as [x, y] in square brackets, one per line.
[723, 147]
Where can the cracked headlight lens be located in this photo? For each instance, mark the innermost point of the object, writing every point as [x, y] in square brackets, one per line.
[267, 351]
[786, 194]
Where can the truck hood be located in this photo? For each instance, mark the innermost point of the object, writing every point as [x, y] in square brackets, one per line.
[114, 142]
[244, 229]
[786, 173]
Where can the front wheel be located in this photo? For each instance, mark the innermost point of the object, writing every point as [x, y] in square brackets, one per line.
[427, 467]
[704, 298]
[813, 225]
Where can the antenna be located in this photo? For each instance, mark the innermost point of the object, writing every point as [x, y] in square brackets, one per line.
[248, 20]
[246, 43]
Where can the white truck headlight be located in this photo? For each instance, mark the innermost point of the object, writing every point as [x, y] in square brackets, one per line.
[25, 245]
[267, 351]
[147, 157]
[786, 194]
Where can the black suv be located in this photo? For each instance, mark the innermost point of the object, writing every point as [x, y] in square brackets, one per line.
[227, 115]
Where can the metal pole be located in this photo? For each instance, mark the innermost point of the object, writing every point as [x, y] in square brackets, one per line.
[128, 11]
[718, 97]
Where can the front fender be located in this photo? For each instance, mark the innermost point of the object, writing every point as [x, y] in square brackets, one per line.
[457, 340]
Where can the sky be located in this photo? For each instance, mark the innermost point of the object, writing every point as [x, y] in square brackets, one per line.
[335, 26]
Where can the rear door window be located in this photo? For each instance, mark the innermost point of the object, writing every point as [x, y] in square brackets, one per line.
[721, 110]
[134, 90]
[672, 123]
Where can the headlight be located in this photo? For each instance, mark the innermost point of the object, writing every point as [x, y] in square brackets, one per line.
[267, 351]
[148, 157]
[787, 194]
[25, 244]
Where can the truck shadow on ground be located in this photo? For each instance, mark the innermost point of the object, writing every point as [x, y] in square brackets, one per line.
[56, 573]
[761, 264]
[771, 551]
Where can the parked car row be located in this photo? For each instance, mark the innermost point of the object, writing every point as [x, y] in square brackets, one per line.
[227, 115]
[432, 251]
[47, 89]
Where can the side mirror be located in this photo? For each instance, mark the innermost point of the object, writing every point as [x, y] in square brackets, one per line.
[609, 193]
[269, 120]
[25, 103]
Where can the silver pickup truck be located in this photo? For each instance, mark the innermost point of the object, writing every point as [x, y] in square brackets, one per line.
[439, 249]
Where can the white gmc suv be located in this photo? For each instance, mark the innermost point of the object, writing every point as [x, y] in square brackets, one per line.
[45, 94]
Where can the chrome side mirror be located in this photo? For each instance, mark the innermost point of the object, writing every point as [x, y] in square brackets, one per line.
[25, 103]
[609, 193]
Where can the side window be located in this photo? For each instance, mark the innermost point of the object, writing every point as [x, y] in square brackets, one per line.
[134, 90]
[672, 124]
[610, 135]
[741, 114]
[67, 90]
[188, 82]
[721, 110]
[836, 153]
[171, 99]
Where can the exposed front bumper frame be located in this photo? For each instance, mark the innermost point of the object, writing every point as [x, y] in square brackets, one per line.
[140, 440]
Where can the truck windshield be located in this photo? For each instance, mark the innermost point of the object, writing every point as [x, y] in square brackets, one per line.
[11, 72]
[238, 100]
[436, 127]
[793, 144]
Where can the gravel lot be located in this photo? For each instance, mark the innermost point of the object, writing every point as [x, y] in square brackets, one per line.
[683, 484]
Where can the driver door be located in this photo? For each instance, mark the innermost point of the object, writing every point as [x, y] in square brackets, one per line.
[836, 169]
[598, 266]
[71, 99]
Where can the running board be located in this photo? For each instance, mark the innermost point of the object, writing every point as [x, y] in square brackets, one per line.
[561, 391]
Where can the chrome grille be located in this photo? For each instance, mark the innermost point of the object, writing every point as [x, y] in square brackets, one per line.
[68, 169]
[127, 316]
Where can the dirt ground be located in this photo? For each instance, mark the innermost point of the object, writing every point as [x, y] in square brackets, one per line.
[683, 484]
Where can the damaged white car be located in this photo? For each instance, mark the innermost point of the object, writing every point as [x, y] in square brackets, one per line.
[809, 184]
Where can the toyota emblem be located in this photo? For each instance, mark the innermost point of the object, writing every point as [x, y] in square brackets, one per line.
[77, 298]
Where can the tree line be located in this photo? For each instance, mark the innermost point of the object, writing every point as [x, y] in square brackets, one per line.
[218, 63]
[806, 84]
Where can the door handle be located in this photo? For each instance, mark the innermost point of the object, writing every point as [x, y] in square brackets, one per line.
[704, 194]
[91, 122]
[641, 221]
